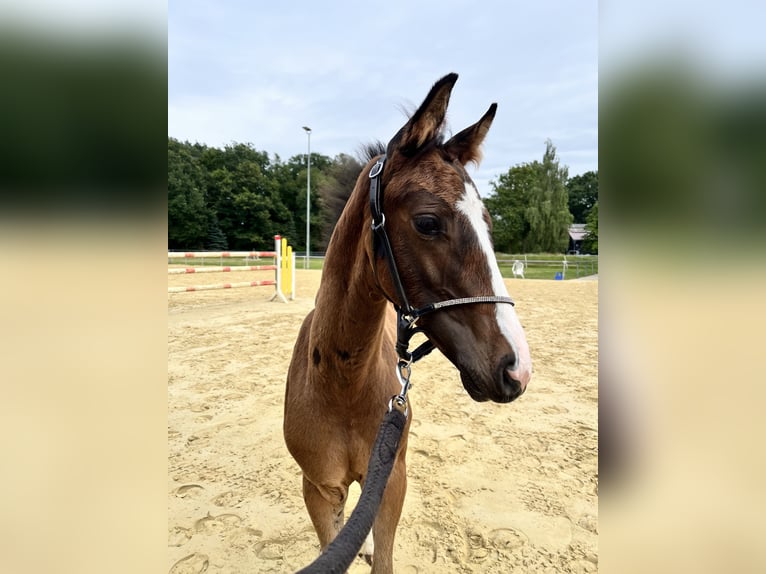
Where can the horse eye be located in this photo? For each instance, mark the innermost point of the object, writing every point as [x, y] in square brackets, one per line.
[427, 225]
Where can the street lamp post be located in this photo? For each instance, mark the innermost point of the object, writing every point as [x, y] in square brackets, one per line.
[308, 201]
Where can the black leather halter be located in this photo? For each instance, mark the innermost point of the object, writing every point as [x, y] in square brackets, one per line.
[406, 314]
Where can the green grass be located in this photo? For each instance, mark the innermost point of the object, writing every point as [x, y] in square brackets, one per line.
[546, 265]
[539, 265]
[313, 263]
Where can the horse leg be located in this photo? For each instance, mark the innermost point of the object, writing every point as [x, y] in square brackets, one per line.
[325, 505]
[384, 528]
[368, 549]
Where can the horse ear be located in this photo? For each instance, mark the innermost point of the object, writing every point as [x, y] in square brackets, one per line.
[466, 146]
[425, 123]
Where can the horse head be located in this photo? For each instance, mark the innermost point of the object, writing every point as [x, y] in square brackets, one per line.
[440, 240]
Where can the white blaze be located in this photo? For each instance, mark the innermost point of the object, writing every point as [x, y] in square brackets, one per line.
[507, 320]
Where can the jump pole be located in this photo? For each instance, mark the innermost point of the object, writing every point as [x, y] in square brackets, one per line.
[284, 268]
[214, 254]
[286, 273]
[221, 286]
[279, 258]
[187, 270]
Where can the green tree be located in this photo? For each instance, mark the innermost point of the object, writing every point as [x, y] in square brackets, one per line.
[335, 190]
[216, 240]
[529, 207]
[253, 207]
[320, 164]
[242, 193]
[548, 209]
[187, 214]
[506, 205]
[219, 197]
[238, 198]
[286, 176]
[583, 194]
[590, 241]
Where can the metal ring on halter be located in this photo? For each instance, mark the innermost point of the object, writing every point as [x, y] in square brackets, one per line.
[399, 403]
[381, 224]
[377, 168]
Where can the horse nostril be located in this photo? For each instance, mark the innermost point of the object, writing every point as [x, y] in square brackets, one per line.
[512, 387]
[517, 375]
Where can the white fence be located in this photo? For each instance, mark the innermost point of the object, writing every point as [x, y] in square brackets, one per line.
[566, 267]
[569, 266]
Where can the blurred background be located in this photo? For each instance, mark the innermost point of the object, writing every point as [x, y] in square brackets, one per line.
[682, 112]
[683, 215]
[82, 306]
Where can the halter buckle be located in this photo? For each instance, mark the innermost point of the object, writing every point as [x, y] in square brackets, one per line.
[376, 169]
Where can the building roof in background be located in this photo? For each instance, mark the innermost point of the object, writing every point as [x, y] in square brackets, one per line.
[577, 231]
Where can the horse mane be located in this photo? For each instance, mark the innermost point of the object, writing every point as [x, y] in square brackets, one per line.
[371, 150]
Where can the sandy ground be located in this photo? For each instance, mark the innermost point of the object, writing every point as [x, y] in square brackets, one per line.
[492, 488]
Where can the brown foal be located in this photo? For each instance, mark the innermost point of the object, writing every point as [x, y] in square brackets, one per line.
[343, 370]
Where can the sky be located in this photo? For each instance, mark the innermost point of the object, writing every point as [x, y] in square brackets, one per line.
[256, 72]
[721, 39]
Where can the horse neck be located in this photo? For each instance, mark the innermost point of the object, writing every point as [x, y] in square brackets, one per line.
[350, 313]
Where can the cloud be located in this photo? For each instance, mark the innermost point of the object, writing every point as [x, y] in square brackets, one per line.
[258, 73]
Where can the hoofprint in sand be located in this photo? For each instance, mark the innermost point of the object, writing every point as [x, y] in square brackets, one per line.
[492, 487]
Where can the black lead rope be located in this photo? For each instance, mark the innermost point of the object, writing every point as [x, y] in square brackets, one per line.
[340, 553]
[407, 315]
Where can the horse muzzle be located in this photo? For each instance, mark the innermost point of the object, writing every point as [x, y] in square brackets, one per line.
[503, 386]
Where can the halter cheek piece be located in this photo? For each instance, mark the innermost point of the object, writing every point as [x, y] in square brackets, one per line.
[406, 315]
